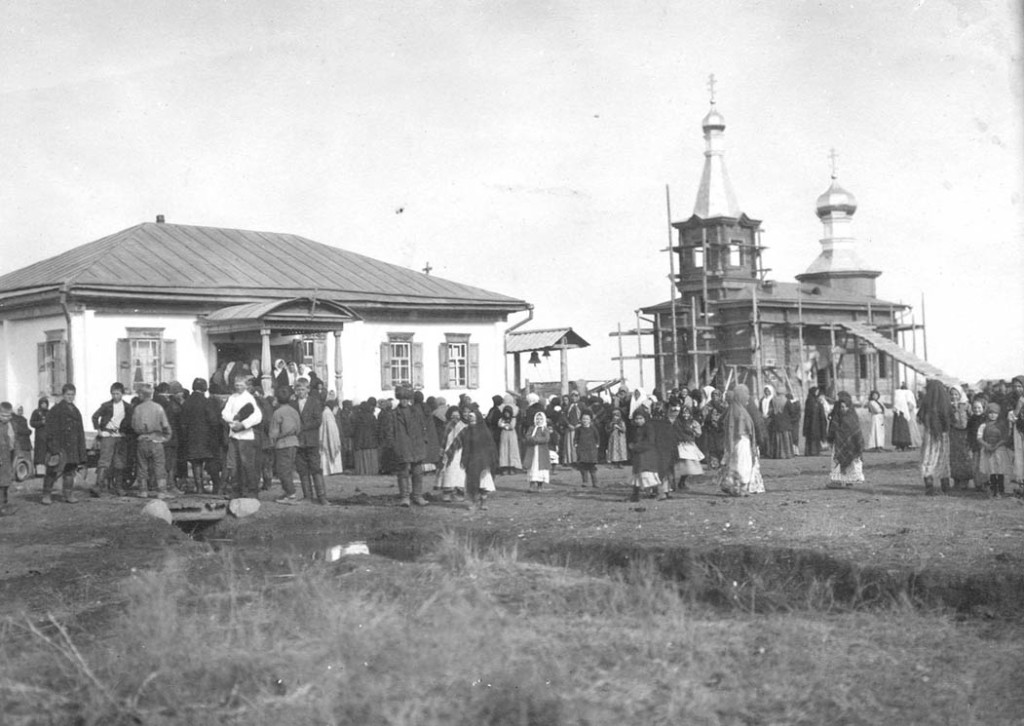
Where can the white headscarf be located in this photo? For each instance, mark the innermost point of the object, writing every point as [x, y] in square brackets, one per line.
[636, 401]
[766, 402]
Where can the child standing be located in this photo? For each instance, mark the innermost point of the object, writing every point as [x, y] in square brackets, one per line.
[587, 441]
[618, 452]
[284, 437]
[688, 455]
[994, 459]
[537, 460]
[7, 451]
[644, 455]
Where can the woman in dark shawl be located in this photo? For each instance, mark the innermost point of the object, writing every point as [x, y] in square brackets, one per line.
[741, 469]
[847, 444]
[961, 461]
[815, 426]
[479, 458]
[365, 444]
[935, 416]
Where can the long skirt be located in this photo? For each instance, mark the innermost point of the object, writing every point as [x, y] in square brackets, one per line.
[568, 450]
[876, 438]
[812, 446]
[508, 451]
[536, 473]
[452, 475]
[961, 463]
[646, 479]
[852, 474]
[330, 446]
[915, 430]
[741, 471]
[999, 461]
[689, 460]
[1018, 455]
[934, 455]
[900, 431]
[367, 462]
[617, 451]
[781, 445]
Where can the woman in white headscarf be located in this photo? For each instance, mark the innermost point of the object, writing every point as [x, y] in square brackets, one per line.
[639, 400]
[741, 470]
[537, 457]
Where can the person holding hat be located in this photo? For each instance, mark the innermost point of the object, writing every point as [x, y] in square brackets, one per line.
[410, 442]
[65, 445]
[242, 414]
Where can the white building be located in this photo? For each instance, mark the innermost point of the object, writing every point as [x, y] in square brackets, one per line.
[161, 302]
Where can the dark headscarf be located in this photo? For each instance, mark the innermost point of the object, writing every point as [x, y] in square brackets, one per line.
[936, 409]
[845, 434]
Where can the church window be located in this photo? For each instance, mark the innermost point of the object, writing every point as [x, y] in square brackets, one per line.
[401, 361]
[145, 356]
[458, 362]
[52, 359]
[698, 257]
[882, 366]
[736, 253]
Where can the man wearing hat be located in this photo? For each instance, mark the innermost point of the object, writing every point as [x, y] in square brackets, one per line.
[170, 396]
[410, 442]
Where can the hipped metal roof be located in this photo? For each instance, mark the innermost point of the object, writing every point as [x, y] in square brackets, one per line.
[521, 341]
[212, 261]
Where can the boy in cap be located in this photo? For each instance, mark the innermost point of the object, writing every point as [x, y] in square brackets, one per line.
[113, 422]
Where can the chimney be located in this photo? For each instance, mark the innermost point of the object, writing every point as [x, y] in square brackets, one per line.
[159, 219]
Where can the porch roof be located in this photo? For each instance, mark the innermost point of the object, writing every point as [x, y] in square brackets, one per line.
[300, 314]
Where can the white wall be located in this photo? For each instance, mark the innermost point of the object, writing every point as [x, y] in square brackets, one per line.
[19, 351]
[361, 357]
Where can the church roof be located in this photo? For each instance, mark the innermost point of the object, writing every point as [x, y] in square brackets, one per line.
[807, 293]
[214, 262]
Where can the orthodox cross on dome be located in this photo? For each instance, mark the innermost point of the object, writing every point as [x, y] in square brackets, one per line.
[427, 269]
[833, 157]
[711, 86]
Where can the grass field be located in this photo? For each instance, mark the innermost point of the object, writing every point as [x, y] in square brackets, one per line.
[803, 606]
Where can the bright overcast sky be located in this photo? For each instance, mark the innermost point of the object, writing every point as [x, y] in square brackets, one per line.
[529, 143]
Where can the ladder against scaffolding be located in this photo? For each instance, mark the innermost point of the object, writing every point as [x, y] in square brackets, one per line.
[898, 353]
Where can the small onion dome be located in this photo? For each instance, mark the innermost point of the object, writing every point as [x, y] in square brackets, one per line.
[836, 199]
[713, 120]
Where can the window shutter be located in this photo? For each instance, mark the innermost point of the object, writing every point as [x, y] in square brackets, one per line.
[44, 379]
[442, 364]
[60, 365]
[124, 363]
[170, 361]
[417, 365]
[320, 360]
[474, 365]
[385, 366]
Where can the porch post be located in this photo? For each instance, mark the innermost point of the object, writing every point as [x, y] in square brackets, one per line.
[338, 377]
[266, 375]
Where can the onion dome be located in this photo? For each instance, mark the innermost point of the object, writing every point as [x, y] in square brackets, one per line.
[713, 120]
[836, 199]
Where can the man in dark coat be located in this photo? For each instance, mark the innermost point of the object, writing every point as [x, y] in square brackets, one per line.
[307, 455]
[202, 435]
[411, 442]
[65, 445]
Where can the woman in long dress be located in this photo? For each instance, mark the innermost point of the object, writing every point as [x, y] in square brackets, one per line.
[847, 444]
[365, 443]
[876, 439]
[451, 477]
[1015, 418]
[618, 454]
[780, 439]
[935, 416]
[741, 469]
[330, 444]
[537, 457]
[479, 457]
[815, 424]
[508, 443]
[961, 460]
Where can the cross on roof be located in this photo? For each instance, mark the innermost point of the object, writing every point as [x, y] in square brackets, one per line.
[833, 157]
[711, 86]
[427, 269]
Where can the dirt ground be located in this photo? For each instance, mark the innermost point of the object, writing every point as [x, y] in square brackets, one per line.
[68, 559]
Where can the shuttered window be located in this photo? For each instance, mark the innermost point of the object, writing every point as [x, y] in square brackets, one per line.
[401, 362]
[52, 359]
[458, 362]
[145, 356]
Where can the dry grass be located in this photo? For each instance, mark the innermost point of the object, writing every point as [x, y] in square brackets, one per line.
[475, 636]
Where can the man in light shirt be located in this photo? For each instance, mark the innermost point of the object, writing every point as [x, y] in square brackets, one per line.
[113, 422]
[152, 429]
[242, 413]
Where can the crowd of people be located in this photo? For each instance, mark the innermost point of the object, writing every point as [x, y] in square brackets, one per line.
[165, 441]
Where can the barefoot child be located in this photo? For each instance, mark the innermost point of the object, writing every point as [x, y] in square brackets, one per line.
[618, 452]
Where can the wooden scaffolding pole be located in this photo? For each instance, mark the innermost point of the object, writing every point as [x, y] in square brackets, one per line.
[672, 280]
[622, 370]
[639, 350]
